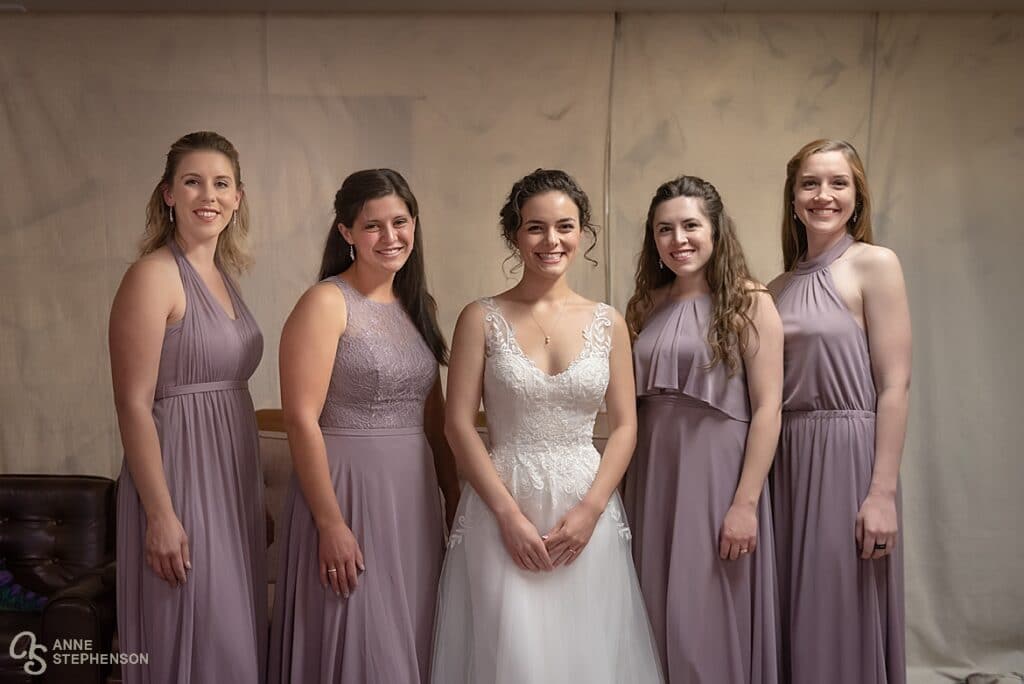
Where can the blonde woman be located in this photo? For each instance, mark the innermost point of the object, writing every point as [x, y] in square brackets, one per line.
[191, 583]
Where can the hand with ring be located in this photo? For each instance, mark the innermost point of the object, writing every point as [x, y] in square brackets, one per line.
[877, 526]
[738, 535]
[341, 559]
[567, 539]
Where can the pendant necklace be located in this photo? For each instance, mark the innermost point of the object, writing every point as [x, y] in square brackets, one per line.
[547, 338]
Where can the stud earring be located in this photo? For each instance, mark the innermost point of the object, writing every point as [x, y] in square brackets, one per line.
[351, 252]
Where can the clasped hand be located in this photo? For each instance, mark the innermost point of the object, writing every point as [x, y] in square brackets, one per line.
[562, 545]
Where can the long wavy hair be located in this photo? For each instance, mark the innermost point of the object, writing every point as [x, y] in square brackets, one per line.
[537, 183]
[729, 331]
[794, 234]
[410, 284]
[232, 251]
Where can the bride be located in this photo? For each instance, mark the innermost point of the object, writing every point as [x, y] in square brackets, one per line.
[538, 584]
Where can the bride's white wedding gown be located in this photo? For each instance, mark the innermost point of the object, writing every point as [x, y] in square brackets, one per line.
[582, 623]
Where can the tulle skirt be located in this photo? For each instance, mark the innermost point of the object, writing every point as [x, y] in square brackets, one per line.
[585, 622]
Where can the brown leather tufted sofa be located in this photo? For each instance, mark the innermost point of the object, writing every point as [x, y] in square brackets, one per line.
[57, 536]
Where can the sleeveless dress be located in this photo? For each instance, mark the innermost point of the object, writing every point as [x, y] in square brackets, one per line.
[715, 620]
[842, 617]
[382, 470]
[214, 627]
[584, 622]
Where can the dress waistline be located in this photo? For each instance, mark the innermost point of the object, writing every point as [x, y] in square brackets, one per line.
[813, 414]
[368, 432]
[199, 388]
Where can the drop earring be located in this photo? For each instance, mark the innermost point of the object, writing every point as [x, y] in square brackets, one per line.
[661, 265]
[351, 252]
[170, 210]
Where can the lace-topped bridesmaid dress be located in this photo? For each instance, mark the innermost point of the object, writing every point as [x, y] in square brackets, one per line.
[583, 622]
[382, 470]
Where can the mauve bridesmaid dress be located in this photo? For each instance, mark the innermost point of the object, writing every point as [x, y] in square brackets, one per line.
[715, 620]
[382, 470]
[842, 617]
[214, 627]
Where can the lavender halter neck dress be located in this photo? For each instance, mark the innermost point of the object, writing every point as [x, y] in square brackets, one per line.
[842, 617]
[214, 627]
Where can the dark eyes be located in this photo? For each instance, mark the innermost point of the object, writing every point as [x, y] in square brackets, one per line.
[563, 227]
[399, 223]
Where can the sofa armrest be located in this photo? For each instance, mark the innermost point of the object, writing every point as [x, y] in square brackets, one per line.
[85, 611]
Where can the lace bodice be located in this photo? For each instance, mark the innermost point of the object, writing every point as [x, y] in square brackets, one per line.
[383, 370]
[541, 426]
[544, 424]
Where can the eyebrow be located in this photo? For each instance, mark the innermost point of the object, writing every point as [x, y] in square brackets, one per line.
[534, 221]
[199, 175]
[814, 177]
[377, 219]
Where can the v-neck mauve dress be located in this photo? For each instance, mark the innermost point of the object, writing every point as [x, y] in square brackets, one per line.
[842, 617]
[382, 471]
[213, 628]
[716, 621]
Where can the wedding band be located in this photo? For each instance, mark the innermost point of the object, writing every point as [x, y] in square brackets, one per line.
[743, 550]
[330, 570]
[879, 547]
[572, 551]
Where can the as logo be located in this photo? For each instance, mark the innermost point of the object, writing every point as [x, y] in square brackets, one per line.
[35, 664]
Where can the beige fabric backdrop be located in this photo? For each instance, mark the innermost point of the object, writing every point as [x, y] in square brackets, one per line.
[465, 104]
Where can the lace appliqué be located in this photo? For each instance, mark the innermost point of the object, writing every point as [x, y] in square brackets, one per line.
[541, 426]
[458, 530]
[618, 516]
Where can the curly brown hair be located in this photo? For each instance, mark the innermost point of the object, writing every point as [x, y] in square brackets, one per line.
[727, 274]
[232, 253]
[794, 235]
[538, 183]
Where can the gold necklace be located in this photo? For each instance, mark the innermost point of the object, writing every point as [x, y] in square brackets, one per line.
[547, 338]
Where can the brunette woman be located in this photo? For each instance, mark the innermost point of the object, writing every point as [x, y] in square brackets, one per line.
[708, 364]
[362, 528]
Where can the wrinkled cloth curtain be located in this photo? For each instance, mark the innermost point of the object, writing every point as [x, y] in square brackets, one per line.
[464, 105]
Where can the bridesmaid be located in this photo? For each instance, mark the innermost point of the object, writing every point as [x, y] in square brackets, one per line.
[708, 363]
[362, 529]
[847, 375]
[191, 582]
